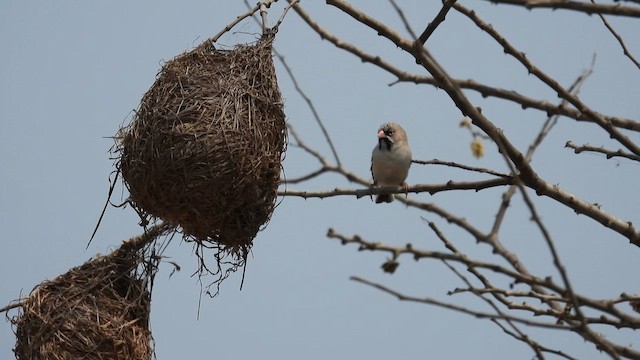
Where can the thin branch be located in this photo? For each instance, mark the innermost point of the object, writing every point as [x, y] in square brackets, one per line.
[583, 329]
[537, 346]
[524, 101]
[307, 99]
[309, 102]
[601, 150]
[436, 21]
[150, 234]
[461, 166]
[235, 22]
[301, 144]
[14, 304]
[418, 254]
[615, 9]
[548, 80]
[460, 309]
[284, 12]
[549, 123]
[619, 38]
[263, 15]
[306, 177]
[472, 265]
[515, 332]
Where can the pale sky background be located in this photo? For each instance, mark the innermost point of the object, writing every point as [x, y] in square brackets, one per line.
[71, 73]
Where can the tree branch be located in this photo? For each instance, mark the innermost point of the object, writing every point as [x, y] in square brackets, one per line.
[456, 308]
[461, 166]
[421, 188]
[527, 173]
[548, 80]
[626, 51]
[601, 150]
[616, 9]
[436, 21]
[484, 90]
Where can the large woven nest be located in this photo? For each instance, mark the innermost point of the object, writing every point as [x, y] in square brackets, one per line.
[204, 149]
[99, 310]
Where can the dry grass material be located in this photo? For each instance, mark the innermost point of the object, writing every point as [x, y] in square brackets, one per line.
[204, 149]
[99, 310]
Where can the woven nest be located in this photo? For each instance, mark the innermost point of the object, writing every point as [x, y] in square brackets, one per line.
[99, 310]
[204, 149]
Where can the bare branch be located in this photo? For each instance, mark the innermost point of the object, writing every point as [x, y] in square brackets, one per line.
[13, 305]
[460, 309]
[548, 80]
[306, 177]
[557, 301]
[309, 102]
[284, 12]
[236, 21]
[150, 234]
[294, 80]
[581, 326]
[616, 9]
[484, 90]
[619, 38]
[544, 131]
[527, 173]
[421, 188]
[301, 144]
[431, 27]
[524, 101]
[461, 166]
[601, 150]
[535, 345]
[418, 254]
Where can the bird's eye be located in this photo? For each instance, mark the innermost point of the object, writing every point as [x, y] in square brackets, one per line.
[390, 132]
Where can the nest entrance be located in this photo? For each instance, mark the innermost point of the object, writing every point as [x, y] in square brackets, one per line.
[99, 310]
[204, 149]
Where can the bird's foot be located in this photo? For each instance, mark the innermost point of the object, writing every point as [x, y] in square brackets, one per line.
[405, 189]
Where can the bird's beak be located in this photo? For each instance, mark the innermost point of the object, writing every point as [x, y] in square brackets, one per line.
[381, 134]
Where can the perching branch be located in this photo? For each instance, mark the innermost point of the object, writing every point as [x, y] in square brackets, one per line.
[421, 188]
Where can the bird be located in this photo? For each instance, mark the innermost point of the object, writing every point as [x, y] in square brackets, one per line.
[390, 160]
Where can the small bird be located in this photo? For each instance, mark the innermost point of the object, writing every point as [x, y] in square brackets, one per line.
[391, 159]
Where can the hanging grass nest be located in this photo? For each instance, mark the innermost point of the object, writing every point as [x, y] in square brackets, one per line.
[204, 149]
[99, 310]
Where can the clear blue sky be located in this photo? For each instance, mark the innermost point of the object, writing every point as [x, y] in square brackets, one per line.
[72, 72]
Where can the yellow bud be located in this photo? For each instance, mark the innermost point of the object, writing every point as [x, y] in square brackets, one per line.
[477, 148]
[466, 122]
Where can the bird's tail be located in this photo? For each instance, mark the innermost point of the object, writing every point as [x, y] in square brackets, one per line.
[384, 198]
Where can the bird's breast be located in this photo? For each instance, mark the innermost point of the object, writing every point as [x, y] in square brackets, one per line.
[390, 168]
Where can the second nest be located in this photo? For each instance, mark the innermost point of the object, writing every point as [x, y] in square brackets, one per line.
[204, 150]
